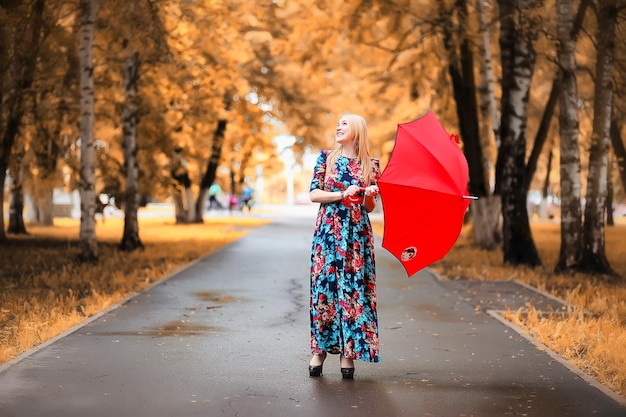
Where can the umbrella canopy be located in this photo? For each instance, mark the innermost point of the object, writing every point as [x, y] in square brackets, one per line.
[424, 193]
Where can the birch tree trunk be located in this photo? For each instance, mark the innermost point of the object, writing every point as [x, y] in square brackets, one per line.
[130, 239]
[594, 252]
[571, 227]
[88, 242]
[486, 211]
[518, 58]
[553, 99]
[489, 108]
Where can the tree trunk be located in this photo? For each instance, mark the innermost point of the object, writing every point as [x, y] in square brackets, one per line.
[545, 190]
[44, 207]
[610, 221]
[518, 59]
[182, 193]
[489, 109]
[18, 63]
[617, 143]
[487, 221]
[571, 228]
[16, 210]
[542, 133]
[461, 71]
[87, 182]
[486, 211]
[16, 206]
[214, 157]
[130, 239]
[211, 169]
[553, 99]
[594, 252]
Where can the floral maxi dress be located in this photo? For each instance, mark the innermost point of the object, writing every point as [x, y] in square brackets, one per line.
[343, 280]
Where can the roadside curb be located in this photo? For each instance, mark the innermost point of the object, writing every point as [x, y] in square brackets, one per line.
[497, 314]
[88, 320]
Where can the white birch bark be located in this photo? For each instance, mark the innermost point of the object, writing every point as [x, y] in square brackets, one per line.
[486, 211]
[518, 59]
[571, 227]
[594, 251]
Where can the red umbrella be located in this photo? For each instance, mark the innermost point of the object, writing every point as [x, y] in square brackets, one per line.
[424, 193]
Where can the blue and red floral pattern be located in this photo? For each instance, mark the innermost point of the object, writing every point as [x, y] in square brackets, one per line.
[343, 277]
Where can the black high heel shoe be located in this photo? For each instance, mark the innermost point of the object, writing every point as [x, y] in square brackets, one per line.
[317, 370]
[347, 373]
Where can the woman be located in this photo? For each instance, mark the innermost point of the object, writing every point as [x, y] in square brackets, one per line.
[343, 284]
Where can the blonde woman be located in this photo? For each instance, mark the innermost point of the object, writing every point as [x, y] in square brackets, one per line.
[343, 312]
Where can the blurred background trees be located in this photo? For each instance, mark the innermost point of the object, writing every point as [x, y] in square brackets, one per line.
[190, 93]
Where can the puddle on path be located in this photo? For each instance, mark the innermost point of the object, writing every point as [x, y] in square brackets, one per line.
[215, 297]
[175, 329]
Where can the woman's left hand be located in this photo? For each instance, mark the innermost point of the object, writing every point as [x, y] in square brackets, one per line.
[371, 191]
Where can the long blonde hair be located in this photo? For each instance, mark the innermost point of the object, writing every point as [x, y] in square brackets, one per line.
[358, 131]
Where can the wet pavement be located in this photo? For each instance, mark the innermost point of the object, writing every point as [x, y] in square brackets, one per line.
[228, 336]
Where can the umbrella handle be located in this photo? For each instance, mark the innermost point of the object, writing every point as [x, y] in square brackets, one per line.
[355, 198]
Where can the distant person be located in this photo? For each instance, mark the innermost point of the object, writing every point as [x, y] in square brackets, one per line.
[343, 316]
[247, 198]
[233, 203]
[215, 191]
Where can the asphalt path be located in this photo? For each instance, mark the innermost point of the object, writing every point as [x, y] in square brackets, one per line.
[228, 336]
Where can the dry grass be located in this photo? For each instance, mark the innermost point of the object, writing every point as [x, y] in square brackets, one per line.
[592, 335]
[45, 291]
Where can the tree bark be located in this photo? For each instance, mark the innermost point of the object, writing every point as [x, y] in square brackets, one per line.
[182, 194]
[571, 227]
[130, 239]
[487, 211]
[610, 221]
[211, 169]
[617, 143]
[518, 59]
[214, 159]
[594, 252]
[17, 70]
[542, 133]
[461, 71]
[87, 181]
[16, 205]
[489, 108]
[553, 99]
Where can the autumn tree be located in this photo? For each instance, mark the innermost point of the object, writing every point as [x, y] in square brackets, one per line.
[21, 26]
[461, 64]
[571, 228]
[87, 183]
[594, 253]
[518, 57]
[54, 108]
